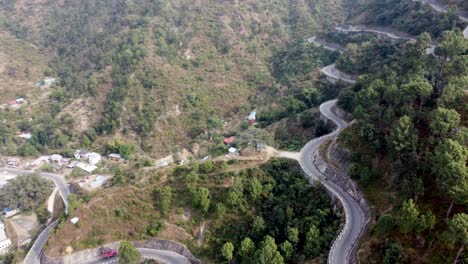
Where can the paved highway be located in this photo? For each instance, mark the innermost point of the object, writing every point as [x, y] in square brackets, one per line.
[343, 248]
[332, 72]
[327, 46]
[35, 251]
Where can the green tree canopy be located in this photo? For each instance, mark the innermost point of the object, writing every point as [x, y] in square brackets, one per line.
[227, 251]
[268, 252]
[128, 254]
[25, 192]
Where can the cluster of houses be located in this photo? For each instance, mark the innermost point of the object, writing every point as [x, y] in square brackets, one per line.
[84, 159]
[232, 150]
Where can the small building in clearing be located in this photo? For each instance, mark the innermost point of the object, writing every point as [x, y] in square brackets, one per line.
[40, 161]
[252, 117]
[10, 212]
[81, 154]
[115, 157]
[233, 151]
[94, 158]
[86, 167]
[56, 158]
[13, 162]
[261, 147]
[75, 220]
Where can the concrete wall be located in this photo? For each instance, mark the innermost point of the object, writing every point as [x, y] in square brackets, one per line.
[169, 246]
[88, 255]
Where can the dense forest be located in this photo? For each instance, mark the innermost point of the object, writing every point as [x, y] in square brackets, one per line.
[409, 141]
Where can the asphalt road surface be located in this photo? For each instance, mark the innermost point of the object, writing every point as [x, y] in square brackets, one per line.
[356, 221]
[34, 253]
[333, 72]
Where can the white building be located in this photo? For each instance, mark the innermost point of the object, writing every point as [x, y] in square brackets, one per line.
[75, 220]
[94, 158]
[233, 151]
[5, 243]
[41, 160]
[81, 154]
[115, 156]
[49, 81]
[86, 167]
[56, 158]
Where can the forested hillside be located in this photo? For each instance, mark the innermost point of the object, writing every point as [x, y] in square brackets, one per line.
[409, 151]
[146, 78]
[158, 71]
[261, 214]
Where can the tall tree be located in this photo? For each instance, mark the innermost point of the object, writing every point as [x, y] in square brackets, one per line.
[246, 250]
[458, 231]
[201, 199]
[227, 251]
[268, 252]
[312, 245]
[408, 216]
[128, 254]
[404, 136]
[444, 121]
[449, 165]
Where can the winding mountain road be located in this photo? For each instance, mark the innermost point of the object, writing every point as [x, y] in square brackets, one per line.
[344, 246]
[332, 72]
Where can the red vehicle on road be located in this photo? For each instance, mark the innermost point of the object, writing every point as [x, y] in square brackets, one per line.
[109, 253]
